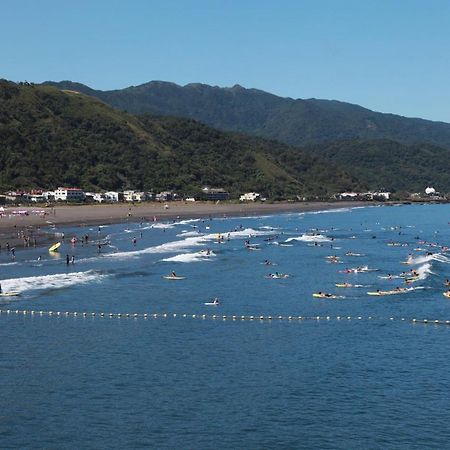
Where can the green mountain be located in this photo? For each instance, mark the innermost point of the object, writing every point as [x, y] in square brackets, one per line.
[251, 111]
[50, 137]
[390, 165]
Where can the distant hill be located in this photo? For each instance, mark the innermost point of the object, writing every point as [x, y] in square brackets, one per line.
[50, 137]
[251, 111]
[390, 165]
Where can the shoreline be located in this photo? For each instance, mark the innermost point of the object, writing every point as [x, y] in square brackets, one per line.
[12, 228]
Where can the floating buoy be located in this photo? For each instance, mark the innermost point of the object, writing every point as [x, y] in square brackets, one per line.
[213, 317]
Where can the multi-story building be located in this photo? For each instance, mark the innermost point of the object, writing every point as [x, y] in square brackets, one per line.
[249, 197]
[133, 196]
[66, 194]
[215, 194]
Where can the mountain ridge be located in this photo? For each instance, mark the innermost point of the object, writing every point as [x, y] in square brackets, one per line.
[295, 122]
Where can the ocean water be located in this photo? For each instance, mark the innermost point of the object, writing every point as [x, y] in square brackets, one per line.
[367, 379]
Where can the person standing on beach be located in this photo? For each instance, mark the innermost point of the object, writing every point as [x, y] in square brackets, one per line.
[67, 259]
[13, 252]
[134, 241]
[72, 259]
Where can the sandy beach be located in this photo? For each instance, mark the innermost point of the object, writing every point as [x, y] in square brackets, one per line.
[13, 226]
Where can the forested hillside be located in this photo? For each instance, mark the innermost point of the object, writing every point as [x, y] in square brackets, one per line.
[292, 121]
[391, 165]
[50, 137]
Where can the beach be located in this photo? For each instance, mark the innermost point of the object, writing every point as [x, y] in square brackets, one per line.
[32, 220]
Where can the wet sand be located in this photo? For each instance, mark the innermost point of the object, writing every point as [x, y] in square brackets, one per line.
[12, 227]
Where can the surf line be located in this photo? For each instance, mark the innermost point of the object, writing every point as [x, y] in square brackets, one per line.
[30, 313]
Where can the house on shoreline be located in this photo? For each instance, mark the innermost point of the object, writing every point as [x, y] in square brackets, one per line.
[364, 196]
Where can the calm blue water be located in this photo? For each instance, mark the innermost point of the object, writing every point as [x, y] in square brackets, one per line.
[74, 382]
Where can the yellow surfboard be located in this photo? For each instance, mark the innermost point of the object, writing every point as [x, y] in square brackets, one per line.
[54, 247]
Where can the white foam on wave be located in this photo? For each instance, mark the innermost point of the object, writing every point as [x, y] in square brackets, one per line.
[167, 225]
[187, 221]
[189, 234]
[131, 231]
[159, 226]
[187, 243]
[327, 211]
[427, 258]
[9, 263]
[55, 281]
[424, 271]
[191, 257]
[310, 238]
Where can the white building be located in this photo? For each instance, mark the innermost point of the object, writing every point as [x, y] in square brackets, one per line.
[165, 196]
[347, 195]
[381, 195]
[113, 196]
[49, 195]
[133, 196]
[98, 197]
[430, 191]
[66, 194]
[128, 196]
[215, 194]
[37, 198]
[249, 197]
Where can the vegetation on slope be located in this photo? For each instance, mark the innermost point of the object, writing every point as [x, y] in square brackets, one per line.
[294, 122]
[50, 137]
[391, 165]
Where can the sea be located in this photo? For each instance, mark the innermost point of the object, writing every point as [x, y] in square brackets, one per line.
[107, 353]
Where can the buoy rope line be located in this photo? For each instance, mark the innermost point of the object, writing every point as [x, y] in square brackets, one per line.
[29, 313]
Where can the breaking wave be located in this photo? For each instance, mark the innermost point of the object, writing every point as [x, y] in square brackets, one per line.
[191, 257]
[310, 238]
[55, 281]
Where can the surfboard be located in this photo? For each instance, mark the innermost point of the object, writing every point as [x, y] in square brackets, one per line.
[380, 293]
[54, 247]
[9, 294]
[171, 277]
[317, 295]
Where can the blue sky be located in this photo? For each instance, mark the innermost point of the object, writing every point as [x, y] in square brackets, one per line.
[390, 56]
